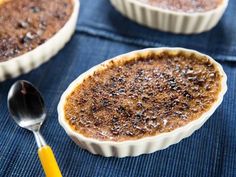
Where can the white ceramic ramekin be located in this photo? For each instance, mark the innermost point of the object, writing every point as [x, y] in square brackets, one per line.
[147, 144]
[167, 20]
[34, 58]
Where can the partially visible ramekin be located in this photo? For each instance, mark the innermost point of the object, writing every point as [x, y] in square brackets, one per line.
[144, 145]
[34, 58]
[168, 20]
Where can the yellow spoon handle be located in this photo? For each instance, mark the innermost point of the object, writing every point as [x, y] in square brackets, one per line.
[49, 162]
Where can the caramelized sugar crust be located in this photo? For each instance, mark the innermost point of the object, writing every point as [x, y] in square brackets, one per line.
[145, 96]
[26, 24]
[185, 5]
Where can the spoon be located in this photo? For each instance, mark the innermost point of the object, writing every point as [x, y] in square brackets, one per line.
[26, 106]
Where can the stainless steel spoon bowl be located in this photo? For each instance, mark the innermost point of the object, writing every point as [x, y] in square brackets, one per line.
[27, 108]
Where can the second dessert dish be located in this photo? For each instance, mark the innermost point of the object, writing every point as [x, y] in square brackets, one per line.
[32, 32]
[176, 16]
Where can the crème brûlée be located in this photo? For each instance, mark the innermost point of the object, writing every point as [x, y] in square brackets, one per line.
[185, 5]
[26, 24]
[142, 96]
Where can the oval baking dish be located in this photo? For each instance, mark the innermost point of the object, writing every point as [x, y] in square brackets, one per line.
[147, 144]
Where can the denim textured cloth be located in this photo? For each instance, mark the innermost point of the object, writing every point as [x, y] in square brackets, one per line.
[103, 33]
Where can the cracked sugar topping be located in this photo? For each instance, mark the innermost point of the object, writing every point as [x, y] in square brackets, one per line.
[26, 24]
[143, 97]
[185, 5]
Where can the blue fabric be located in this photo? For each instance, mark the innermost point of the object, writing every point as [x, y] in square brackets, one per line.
[210, 151]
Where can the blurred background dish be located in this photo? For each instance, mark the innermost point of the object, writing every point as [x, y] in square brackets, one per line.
[173, 16]
[31, 36]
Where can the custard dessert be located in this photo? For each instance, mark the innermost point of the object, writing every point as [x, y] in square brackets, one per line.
[142, 96]
[26, 24]
[185, 5]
